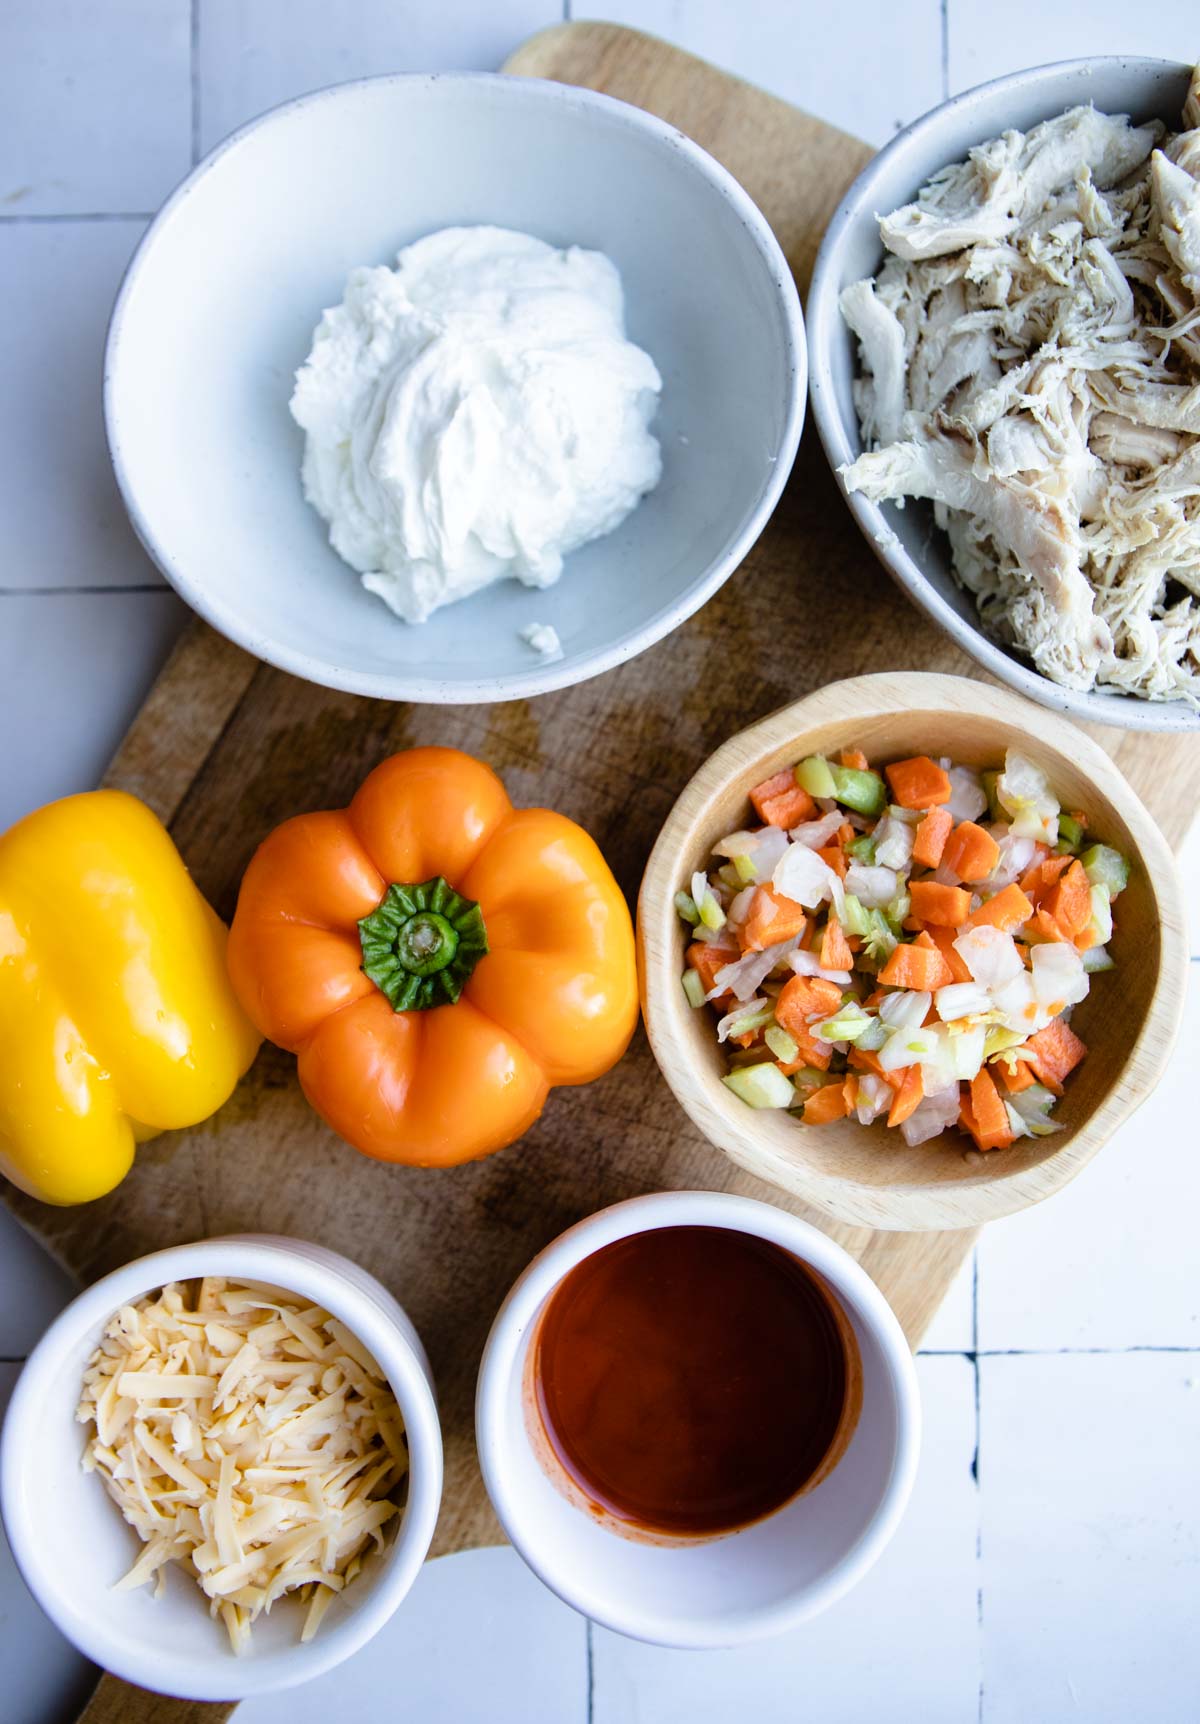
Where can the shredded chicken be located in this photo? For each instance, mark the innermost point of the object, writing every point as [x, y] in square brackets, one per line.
[248, 1436]
[1030, 364]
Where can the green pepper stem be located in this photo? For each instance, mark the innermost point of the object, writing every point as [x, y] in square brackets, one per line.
[421, 943]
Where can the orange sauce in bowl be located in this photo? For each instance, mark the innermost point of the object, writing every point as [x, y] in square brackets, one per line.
[692, 1380]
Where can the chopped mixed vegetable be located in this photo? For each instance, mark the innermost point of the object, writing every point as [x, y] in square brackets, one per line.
[905, 944]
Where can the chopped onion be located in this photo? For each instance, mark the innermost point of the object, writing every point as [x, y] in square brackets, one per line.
[893, 843]
[874, 1097]
[990, 954]
[931, 1117]
[725, 1025]
[1016, 854]
[967, 800]
[802, 875]
[905, 1009]
[739, 906]
[966, 1051]
[909, 1047]
[872, 886]
[1023, 792]
[815, 833]
[808, 964]
[762, 849]
[1059, 977]
[1015, 1002]
[746, 975]
[961, 1000]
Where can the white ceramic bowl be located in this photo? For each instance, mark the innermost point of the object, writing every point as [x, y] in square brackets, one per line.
[219, 305]
[717, 1591]
[905, 540]
[71, 1543]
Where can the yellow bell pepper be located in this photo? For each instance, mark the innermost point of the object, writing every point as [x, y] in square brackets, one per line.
[117, 1019]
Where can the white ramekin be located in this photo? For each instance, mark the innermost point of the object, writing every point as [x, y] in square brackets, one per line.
[71, 1543]
[719, 1591]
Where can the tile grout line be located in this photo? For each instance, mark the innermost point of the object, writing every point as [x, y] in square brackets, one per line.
[978, 1444]
[945, 35]
[194, 76]
[77, 216]
[591, 1671]
[83, 591]
[1052, 1352]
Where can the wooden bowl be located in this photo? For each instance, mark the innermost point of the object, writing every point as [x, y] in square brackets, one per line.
[867, 1175]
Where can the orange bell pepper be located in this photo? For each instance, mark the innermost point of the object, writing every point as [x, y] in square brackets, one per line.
[435, 958]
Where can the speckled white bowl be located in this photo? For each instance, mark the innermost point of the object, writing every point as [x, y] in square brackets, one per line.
[220, 302]
[72, 1545]
[905, 540]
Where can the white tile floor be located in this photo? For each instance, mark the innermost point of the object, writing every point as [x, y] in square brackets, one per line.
[1049, 1564]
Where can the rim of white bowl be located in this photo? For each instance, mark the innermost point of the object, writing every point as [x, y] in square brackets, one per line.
[1123, 711]
[361, 1302]
[502, 1355]
[538, 679]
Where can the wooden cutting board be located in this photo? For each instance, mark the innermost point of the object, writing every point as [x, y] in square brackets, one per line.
[224, 748]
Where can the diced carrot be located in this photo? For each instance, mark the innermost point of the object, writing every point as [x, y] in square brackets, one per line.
[1069, 902]
[854, 757]
[861, 1059]
[1046, 926]
[845, 834]
[748, 1040]
[918, 965]
[850, 1090]
[771, 918]
[780, 801]
[804, 998]
[908, 1097]
[930, 837]
[918, 783]
[1038, 878]
[826, 1104]
[1054, 1053]
[706, 958]
[990, 1127]
[835, 949]
[1007, 910]
[970, 852]
[1016, 1075]
[836, 858]
[941, 906]
[943, 939]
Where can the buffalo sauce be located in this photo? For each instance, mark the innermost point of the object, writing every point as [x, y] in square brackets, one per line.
[691, 1380]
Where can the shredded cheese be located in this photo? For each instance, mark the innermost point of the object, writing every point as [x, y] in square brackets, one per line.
[249, 1437]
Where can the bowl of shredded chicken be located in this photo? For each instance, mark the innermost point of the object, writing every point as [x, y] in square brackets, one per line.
[222, 1467]
[1007, 313]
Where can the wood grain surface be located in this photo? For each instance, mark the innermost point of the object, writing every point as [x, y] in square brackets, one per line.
[225, 748]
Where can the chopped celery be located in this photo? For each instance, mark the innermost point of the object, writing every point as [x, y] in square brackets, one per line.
[781, 1044]
[1105, 866]
[1070, 835]
[897, 910]
[1097, 958]
[808, 1079]
[873, 1037]
[855, 920]
[847, 1024]
[711, 914]
[879, 942]
[746, 1023]
[693, 987]
[862, 849]
[815, 776]
[743, 867]
[685, 906]
[761, 1086]
[988, 780]
[862, 791]
[1100, 926]
[999, 1040]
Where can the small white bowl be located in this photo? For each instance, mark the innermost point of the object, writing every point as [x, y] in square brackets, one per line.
[715, 1591]
[71, 1543]
[905, 540]
[220, 302]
